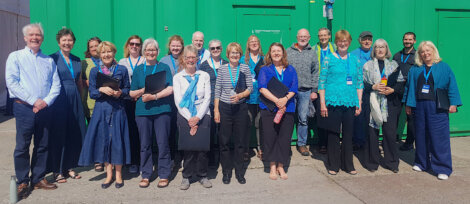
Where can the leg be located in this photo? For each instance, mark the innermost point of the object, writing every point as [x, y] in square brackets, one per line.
[439, 135]
[24, 117]
[303, 99]
[41, 135]
[346, 145]
[201, 164]
[189, 164]
[270, 135]
[240, 137]
[118, 169]
[410, 130]
[391, 159]
[272, 171]
[144, 124]
[421, 154]
[371, 150]
[333, 151]
[133, 135]
[162, 131]
[226, 130]
[109, 173]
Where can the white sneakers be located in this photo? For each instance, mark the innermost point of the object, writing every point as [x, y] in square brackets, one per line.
[442, 176]
[416, 168]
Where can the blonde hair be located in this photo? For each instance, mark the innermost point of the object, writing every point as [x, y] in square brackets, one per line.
[126, 51]
[106, 44]
[419, 61]
[247, 52]
[342, 35]
[236, 46]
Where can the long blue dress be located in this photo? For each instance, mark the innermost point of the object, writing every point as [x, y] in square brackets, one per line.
[68, 122]
[107, 138]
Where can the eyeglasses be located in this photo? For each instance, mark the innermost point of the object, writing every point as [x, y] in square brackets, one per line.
[234, 53]
[190, 58]
[215, 48]
[150, 50]
[134, 44]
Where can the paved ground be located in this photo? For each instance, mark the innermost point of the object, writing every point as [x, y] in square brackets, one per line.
[308, 182]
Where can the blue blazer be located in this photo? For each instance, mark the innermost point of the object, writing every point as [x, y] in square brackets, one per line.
[443, 78]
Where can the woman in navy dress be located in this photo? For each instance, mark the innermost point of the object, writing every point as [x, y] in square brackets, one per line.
[107, 139]
[68, 126]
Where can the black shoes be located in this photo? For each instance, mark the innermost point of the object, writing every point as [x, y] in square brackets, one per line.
[119, 185]
[241, 179]
[226, 178]
[106, 185]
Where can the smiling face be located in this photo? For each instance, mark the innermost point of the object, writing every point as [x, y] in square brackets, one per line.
[93, 48]
[324, 37]
[190, 60]
[107, 55]
[427, 54]
[176, 47]
[303, 37]
[253, 45]
[343, 45]
[134, 46]
[276, 54]
[66, 43]
[366, 42]
[215, 49]
[34, 38]
[151, 52]
[408, 41]
[198, 41]
[234, 56]
[380, 51]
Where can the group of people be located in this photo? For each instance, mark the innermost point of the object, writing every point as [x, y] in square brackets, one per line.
[216, 104]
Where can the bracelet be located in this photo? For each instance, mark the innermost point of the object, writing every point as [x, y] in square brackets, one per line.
[287, 97]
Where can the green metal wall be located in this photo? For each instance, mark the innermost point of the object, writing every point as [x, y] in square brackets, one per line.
[446, 23]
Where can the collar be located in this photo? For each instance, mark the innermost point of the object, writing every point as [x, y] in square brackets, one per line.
[31, 51]
[413, 51]
[308, 47]
[184, 73]
[364, 50]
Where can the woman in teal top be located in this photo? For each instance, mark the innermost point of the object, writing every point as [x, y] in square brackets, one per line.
[254, 58]
[340, 89]
[153, 115]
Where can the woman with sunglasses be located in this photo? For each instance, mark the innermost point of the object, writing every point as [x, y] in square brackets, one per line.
[211, 66]
[254, 58]
[132, 58]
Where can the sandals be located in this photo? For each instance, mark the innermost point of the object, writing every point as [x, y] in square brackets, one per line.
[59, 178]
[163, 183]
[331, 172]
[354, 172]
[144, 183]
[74, 175]
[99, 167]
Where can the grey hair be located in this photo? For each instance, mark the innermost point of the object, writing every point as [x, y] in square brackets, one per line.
[150, 41]
[197, 32]
[322, 29]
[215, 41]
[28, 27]
[378, 42]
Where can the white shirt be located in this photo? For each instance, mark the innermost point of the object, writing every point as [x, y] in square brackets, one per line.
[203, 93]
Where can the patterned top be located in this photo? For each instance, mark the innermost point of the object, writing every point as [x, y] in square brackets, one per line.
[223, 86]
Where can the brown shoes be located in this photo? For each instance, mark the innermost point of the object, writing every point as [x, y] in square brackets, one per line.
[163, 183]
[43, 184]
[144, 183]
[23, 191]
[304, 151]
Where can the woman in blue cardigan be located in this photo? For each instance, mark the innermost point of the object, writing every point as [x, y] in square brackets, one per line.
[432, 124]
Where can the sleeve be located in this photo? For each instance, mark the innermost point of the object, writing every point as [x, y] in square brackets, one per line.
[55, 87]
[323, 74]
[204, 107]
[262, 78]
[125, 85]
[315, 71]
[295, 83]
[359, 79]
[12, 79]
[453, 90]
[218, 83]
[178, 95]
[94, 93]
[249, 84]
[409, 94]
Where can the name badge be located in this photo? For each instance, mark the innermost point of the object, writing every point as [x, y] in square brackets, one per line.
[425, 89]
[349, 80]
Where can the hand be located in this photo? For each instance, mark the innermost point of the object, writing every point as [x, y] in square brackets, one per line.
[235, 98]
[106, 90]
[452, 109]
[117, 94]
[39, 105]
[313, 96]
[358, 111]
[387, 91]
[281, 102]
[408, 110]
[323, 110]
[378, 87]
[216, 116]
[148, 97]
[193, 130]
[193, 121]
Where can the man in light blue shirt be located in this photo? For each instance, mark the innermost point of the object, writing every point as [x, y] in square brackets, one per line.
[34, 84]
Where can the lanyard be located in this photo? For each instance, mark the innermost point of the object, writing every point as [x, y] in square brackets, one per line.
[324, 53]
[257, 59]
[213, 66]
[173, 62]
[347, 60]
[130, 62]
[281, 78]
[383, 73]
[95, 61]
[200, 57]
[145, 68]
[117, 65]
[234, 84]
[426, 76]
[70, 66]
[405, 59]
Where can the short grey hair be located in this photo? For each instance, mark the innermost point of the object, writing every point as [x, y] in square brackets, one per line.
[215, 41]
[196, 33]
[28, 27]
[322, 29]
[150, 41]
[378, 42]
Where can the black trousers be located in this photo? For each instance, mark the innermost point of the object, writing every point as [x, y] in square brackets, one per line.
[213, 154]
[233, 123]
[254, 115]
[410, 129]
[371, 147]
[195, 164]
[322, 133]
[277, 137]
[133, 132]
[340, 155]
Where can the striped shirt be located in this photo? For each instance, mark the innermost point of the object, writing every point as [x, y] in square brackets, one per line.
[223, 85]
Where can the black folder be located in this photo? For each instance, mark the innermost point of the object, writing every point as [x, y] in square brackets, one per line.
[103, 80]
[278, 89]
[442, 99]
[241, 83]
[155, 83]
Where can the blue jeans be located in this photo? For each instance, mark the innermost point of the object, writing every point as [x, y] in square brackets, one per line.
[303, 99]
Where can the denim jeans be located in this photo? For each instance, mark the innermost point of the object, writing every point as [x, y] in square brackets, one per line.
[303, 99]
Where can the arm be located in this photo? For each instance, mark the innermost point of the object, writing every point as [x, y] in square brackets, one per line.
[55, 87]
[249, 86]
[12, 79]
[178, 95]
[204, 106]
[315, 73]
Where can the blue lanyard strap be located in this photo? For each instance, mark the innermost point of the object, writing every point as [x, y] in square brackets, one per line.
[426, 76]
[95, 61]
[70, 66]
[383, 73]
[281, 78]
[145, 68]
[347, 60]
[213, 66]
[405, 59]
[130, 62]
[173, 62]
[115, 68]
[324, 53]
[234, 83]
[257, 60]
[200, 57]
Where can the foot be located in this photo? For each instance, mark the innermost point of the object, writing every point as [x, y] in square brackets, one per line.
[44, 184]
[273, 175]
[133, 169]
[22, 191]
[59, 178]
[416, 168]
[144, 183]
[442, 176]
[226, 178]
[331, 172]
[205, 182]
[241, 179]
[184, 184]
[119, 185]
[163, 183]
[354, 172]
[74, 175]
[303, 150]
[282, 173]
[99, 167]
[106, 184]
[406, 147]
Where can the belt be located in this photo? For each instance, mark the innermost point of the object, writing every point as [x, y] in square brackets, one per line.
[303, 89]
[21, 102]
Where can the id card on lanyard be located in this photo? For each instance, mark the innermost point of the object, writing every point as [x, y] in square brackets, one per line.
[348, 77]
[426, 86]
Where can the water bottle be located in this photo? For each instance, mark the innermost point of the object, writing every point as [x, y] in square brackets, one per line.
[278, 117]
[13, 193]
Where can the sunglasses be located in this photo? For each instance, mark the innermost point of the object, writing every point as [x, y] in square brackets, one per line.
[215, 48]
[134, 44]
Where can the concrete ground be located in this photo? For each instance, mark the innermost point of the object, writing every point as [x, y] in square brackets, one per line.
[308, 182]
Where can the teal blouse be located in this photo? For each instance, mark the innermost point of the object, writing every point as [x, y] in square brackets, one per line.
[138, 81]
[333, 79]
